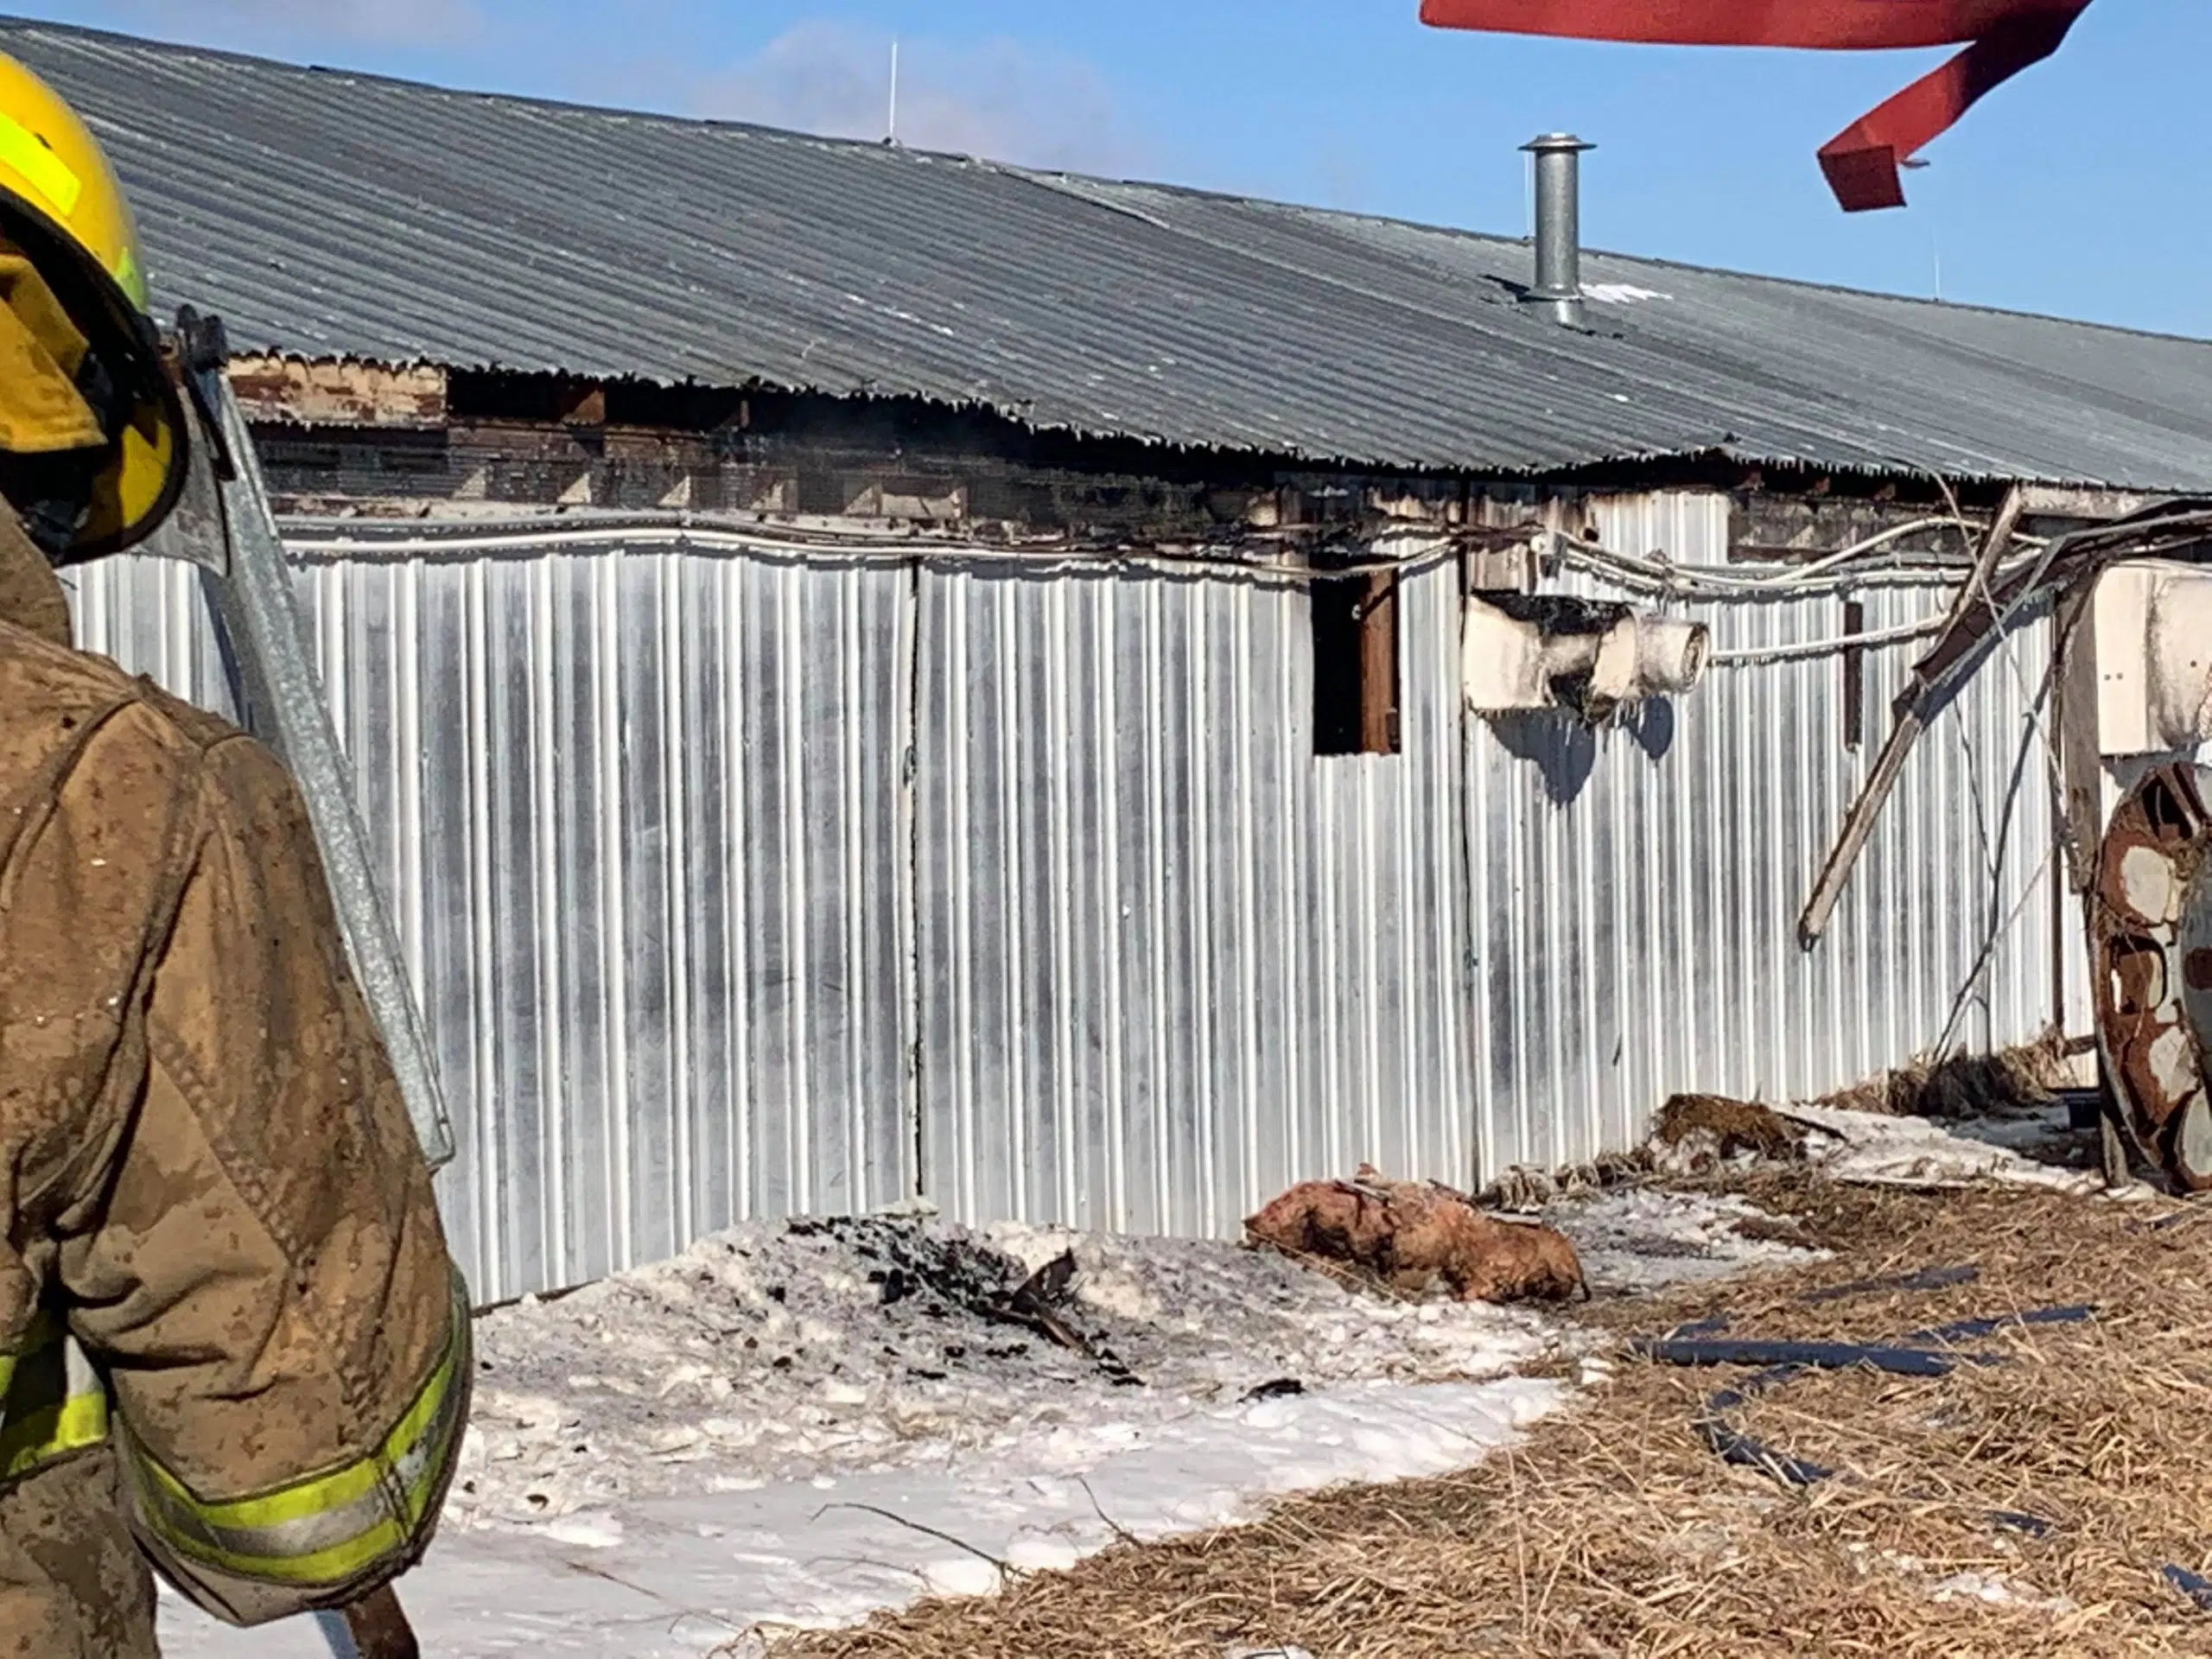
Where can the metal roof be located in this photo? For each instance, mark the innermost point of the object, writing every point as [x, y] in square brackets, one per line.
[334, 214]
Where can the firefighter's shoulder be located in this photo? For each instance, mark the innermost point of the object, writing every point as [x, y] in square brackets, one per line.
[61, 709]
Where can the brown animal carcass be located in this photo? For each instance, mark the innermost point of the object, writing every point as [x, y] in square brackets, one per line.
[1410, 1236]
[1334, 1220]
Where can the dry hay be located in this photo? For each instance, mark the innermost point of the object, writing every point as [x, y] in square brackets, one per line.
[1721, 1128]
[1964, 1086]
[1613, 1530]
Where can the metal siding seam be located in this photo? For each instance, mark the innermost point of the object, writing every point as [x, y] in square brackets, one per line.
[962, 1142]
[675, 754]
[1400, 1013]
[1106, 728]
[484, 999]
[1830, 980]
[1746, 781]
[406, 654]
[1371, 788]
[1556, 874]
[1447, 809]
[1159, 1213]
[906, 880]
[1673, 814]
[1061, 923]
[1252, 1102]
[1473, 816]
[1521, 894]
[1009, 938]
[1440, 1097]
[1930, 914]
[738, 580]
[607, 684]
[1993, 759]
[374, 604]
[1425, 903]
[1330, 1050]
[92, 607]
[331, 616]
[1597, 916]
[1698, 824]
[551, 915]
[1631, 934]
[850, 589]
[1288, 741]
[1786, 770]
[1201, 867]
[787, 1128]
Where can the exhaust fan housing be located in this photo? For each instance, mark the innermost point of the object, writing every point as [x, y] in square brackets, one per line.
[2154, 659]
[1544, 651]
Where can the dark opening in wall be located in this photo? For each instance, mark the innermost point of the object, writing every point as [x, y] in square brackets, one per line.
[1854, 676]
[1355, 663]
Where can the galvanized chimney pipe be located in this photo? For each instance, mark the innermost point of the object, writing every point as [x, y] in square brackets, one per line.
[1558, 225]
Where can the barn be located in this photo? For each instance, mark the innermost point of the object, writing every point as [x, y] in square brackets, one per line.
[879, 676]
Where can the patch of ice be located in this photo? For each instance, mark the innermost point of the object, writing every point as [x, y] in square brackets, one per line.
[587, 1531]
[1871, 1149]
[1640, 1239]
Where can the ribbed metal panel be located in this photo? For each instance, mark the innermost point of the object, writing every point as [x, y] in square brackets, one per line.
[1635, 892]
[331, 214]
[639, 815]
[739, 885]
[1171, 960]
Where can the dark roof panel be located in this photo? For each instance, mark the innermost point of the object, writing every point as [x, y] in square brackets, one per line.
[334, 214]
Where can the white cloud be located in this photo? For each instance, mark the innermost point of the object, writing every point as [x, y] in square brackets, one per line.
[997, 98]
[263, 22]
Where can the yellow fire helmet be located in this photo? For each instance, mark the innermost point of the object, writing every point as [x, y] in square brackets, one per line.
[61, 206]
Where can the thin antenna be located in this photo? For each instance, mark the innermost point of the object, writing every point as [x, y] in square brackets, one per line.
[891, 132]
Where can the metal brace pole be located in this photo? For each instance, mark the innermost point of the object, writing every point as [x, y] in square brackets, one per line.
[1911, 722]
[264, 637]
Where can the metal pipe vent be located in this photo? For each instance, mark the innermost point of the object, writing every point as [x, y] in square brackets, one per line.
[1558, 225]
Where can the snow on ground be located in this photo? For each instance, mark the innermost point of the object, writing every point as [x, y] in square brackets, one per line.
[1639, 1239]
[804, 1424]
[1872, 1149]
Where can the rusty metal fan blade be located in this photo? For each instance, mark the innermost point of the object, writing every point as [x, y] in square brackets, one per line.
[2151, 939]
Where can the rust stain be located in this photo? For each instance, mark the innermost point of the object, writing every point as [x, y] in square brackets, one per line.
[338, 392]
[2159, 845]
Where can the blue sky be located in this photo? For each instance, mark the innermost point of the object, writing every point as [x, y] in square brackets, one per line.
[2083, 188]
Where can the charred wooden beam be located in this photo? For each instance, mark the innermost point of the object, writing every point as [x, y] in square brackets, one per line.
[294, 391]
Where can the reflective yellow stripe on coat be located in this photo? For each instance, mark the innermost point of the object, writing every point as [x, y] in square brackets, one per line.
[52, 1401]
[333, 1527]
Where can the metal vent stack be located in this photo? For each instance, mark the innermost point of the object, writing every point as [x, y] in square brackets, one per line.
[1559, 226]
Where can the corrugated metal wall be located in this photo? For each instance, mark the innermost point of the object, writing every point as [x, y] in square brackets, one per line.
[1171, 960]
[639, 815]
[739, 884]
[1636, 891]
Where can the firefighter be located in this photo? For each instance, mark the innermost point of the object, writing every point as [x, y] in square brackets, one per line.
[232, 1346]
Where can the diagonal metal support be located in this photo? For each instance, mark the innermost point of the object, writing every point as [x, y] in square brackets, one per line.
[1932, 673]
[264, 641]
